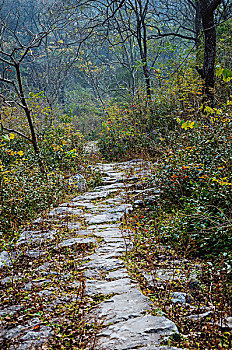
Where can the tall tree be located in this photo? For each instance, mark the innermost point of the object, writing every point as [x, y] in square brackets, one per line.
[207, 72]
[20, 39]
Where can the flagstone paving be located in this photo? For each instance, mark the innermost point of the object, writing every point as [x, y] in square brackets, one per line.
[124, 310]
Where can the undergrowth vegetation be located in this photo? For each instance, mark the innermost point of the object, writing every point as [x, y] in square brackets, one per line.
[24, 190]
[191, 144]
[183, 232]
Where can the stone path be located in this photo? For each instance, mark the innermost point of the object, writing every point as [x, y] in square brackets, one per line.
[125, 310]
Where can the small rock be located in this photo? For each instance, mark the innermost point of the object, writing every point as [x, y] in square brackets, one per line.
[45, 292]
[5, 259]
[200, 317]
[35, 283]
[226, 323]
[10, 279]
[182, 298]
[34, 253]
[10, 310]
[77, 182]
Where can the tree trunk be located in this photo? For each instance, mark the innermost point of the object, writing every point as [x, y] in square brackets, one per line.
[142, 42]
[207, 72]
[197, 26]
[147, 79]
[29, 119]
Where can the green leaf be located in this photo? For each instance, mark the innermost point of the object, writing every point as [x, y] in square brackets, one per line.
[227, 73]
[5, 137]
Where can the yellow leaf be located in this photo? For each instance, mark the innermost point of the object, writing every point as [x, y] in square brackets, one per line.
[20, 153]
[12, 136]
[184, 126]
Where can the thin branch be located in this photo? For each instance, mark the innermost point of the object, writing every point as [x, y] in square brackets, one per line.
[16, 132]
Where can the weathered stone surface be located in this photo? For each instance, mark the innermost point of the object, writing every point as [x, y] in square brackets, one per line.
[30, 253]
[45, 267]
[77, 242]
[36, 237]
[12, 332]
[90, 196]
[10, 310]
[115, 200]
[104, 263]
[77, 182]
[91, 146]
[99, 208]
[115, 248]
[65, 210]
[10, 279]
[117, 274]
[127, 324]
[159, 348]
[114, 233]
[106, 227]
[182, 298]
[35, 283]
[5, 259]
[108, 287]
[103, 217]
[82, 232]
[123, 208]
[132, 303]
[136, 332]
[226, 323]
[200, 317]
[71, 226]
[92, 273]
[164, 275]
[82, 204]
[45, 293]
[26, 336]
[178, 297]
[108, 180]
[115, 185]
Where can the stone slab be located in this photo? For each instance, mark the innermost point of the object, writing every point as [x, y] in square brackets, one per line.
[10, 310]
[122, 307]
[26, 337]
[104, 263]
[77, 241]
[103, 217]
[36, 237]
[117, 274]
[62, 210]
[108, 287]
[137, 332]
